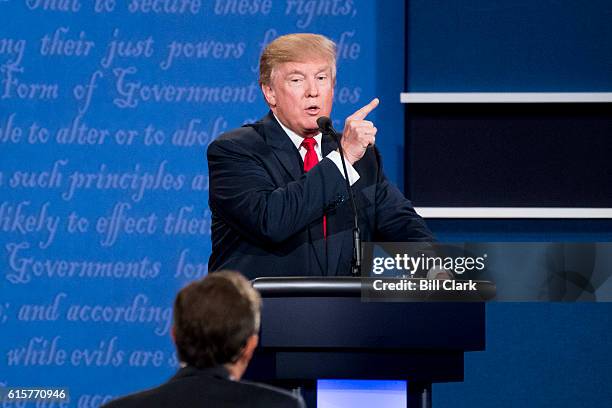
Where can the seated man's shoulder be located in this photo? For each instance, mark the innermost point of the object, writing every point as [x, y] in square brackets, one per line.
[211, 393]
[138, 399]
[269, 396]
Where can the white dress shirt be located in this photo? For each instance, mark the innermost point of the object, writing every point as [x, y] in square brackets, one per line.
[333, 156]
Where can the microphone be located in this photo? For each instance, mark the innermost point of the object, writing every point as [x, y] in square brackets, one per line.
[326, 127]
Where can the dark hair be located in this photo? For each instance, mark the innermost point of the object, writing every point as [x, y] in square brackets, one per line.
[214, 317]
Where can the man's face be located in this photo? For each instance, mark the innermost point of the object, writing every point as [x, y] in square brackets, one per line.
[299, 93]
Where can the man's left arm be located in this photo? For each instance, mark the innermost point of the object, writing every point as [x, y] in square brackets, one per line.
[396, 219]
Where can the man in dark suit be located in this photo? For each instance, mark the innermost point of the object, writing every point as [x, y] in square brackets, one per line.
[216, 322]
[277, 191]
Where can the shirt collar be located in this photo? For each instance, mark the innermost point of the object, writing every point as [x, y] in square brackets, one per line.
[218, 371]
[295, 138]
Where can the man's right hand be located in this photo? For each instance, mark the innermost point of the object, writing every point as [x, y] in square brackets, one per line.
[358, 133]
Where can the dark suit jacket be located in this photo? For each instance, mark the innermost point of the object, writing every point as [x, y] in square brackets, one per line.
[267, 214]
[208, 388]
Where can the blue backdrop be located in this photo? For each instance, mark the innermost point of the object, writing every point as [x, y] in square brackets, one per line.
[106, 110]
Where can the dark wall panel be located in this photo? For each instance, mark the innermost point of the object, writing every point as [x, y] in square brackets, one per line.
[523, 155]
[509, 46]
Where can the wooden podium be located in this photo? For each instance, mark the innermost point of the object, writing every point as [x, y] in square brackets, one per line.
[317, 328]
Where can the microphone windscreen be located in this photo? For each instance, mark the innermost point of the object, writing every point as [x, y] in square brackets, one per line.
[324, 123]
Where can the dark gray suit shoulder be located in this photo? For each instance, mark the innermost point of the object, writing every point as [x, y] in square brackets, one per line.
[245, 139]
[244, 134]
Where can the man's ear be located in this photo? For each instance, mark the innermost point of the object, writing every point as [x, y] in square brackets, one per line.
[250, 346]
[173, 334]
[269, 94]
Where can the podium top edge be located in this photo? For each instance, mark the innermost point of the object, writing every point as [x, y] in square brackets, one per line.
[335, 286]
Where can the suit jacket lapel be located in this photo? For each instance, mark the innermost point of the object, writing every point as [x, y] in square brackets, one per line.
[328, 249]
[290, 159]
[335, 239]
[282, 147]
[328, 144]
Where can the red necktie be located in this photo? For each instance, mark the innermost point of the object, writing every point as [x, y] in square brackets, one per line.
[310, 160]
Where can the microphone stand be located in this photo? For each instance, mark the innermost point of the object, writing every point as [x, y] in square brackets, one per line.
[326, 127]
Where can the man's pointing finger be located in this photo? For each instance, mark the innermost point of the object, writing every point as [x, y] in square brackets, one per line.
[365, 111]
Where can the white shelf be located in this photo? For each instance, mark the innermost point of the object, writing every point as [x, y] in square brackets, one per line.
[513, 212]
[506, 97]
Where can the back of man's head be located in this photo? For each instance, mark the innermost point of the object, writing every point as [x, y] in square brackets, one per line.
[213, 319]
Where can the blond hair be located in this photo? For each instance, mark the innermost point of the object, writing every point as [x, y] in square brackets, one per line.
[299, 47]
